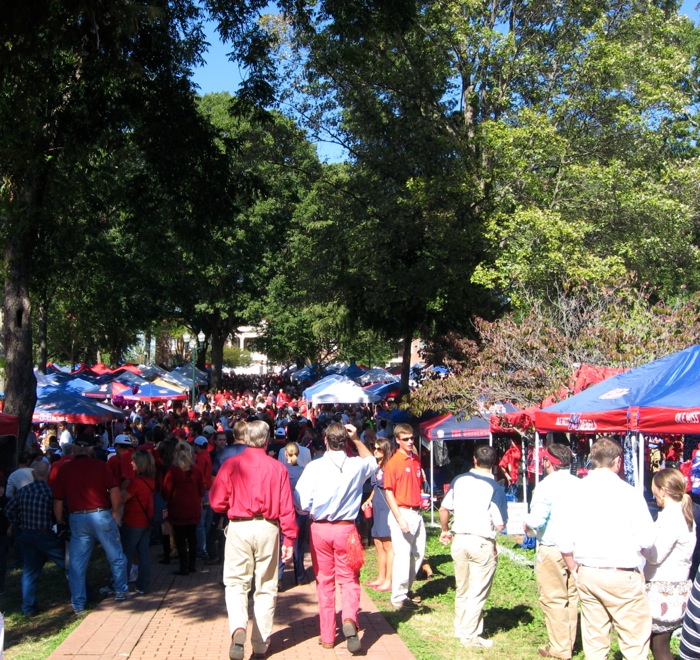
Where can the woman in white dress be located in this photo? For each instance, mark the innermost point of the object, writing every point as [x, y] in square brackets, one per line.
[668, 561]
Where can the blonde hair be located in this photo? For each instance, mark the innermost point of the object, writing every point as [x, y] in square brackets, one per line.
[674, 483]
[184, 456]
[292, 452]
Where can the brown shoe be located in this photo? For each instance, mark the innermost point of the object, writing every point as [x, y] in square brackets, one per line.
[544, 652]
[237, 649]
[350, 632]
[326, 645]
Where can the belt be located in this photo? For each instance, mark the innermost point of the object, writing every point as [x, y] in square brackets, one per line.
[412, 508]
[36, 529]
[98, 509]
[258, 517]
[613, 568]
[334, 522]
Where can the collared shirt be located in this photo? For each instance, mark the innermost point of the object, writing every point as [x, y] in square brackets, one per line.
[84, 484]
[551, 505]
[304, 455]
[478, 503]
[609, 524]
[20, 478]
[404, 477]
[253, 484]
[31, 507]
[330, 487]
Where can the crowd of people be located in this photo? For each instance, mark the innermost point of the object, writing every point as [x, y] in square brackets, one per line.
[249, 479]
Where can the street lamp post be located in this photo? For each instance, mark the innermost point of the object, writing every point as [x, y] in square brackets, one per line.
[194, 343]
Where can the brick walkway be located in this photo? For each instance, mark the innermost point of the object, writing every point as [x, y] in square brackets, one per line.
[185, 617]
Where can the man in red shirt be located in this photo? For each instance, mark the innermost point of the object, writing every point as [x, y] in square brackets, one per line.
[253, 490]
[403, 480]
[88, 490]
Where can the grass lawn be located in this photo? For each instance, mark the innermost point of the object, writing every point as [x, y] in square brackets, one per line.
[513, 619]
[37, 637]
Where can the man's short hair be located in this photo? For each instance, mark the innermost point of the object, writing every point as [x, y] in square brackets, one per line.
[403, 429]
[562, 453]
[336, 436]
[40, 468]
[485, 456]
[604, 452]
[258, 433]
[240, 431]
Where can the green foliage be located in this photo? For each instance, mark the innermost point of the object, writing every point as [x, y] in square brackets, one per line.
[236, 357]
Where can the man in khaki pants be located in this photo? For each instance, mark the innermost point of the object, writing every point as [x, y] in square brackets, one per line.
[551, 504]
[608, 527]
[480, 512]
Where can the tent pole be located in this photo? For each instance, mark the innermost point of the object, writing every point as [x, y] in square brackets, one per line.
[490, 439]
[640, 460]
[432, 485]
[537, 459]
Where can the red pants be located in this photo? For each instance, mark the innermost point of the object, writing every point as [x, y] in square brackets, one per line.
[329, 559]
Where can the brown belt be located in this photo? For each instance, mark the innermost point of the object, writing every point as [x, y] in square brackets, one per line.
[259, 517]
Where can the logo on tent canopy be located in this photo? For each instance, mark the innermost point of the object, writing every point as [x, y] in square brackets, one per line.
[687, 418]
[616, 393]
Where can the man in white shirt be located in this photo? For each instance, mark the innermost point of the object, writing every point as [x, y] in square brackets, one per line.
[480, 512]
[64, 436]
[330, 492]
[551, 505]
[608, 527]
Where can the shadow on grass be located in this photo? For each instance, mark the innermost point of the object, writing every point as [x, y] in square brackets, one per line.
[503, 619]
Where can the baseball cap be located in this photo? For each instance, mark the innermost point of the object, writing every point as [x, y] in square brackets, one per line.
[280, 433]
[201, 441]
[208, 430]
[122, 439]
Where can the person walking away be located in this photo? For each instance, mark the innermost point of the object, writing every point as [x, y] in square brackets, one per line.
[330, 492]
[253, 490]
[381, 533]
[183, 490]
[669, 559]
[403, 480]
[138, 515]
[31, 510]
[295, 471]
[87, 492]
[609, 526]
[551, 504]
[479, 506]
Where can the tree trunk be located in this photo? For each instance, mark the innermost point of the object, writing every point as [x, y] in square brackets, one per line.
[43, 335]
[406, 361]
[20, 383]
[218, 339]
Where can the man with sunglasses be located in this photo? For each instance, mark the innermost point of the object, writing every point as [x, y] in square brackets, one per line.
[403, 481]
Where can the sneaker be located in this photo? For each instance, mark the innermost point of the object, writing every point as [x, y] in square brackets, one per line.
[350, 632]
[478, 642]
[122, 595]
[106, 591]
[138, 592]
[406, 604]
[237, 649]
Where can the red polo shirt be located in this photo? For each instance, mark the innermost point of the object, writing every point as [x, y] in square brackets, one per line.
[84, 483]
[403, 476]
[253, 484]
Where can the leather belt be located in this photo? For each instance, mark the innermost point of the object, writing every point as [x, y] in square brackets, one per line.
[613, 568]
[97, 510]
[334, 522]
[259, 517]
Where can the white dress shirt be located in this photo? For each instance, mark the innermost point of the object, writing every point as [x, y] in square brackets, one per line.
[552, 502]
[610, 523]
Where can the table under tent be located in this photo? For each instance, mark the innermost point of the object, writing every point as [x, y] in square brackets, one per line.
[435, 432]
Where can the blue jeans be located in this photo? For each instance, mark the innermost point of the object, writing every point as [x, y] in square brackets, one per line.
[37, 548]
[85, 530]
[136, 540]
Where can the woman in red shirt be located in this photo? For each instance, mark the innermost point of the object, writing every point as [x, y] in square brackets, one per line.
[138, 514]
[183, 489]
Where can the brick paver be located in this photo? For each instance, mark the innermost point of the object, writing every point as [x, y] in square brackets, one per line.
[185, 617]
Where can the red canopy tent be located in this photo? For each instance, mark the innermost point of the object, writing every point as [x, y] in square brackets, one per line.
[9, 424]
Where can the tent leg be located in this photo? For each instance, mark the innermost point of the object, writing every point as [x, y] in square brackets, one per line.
[432, 487]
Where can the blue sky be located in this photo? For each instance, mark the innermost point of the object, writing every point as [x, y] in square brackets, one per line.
[220, 75]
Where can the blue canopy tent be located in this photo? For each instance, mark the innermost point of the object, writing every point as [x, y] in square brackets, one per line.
[352, 371]
[662, 396]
